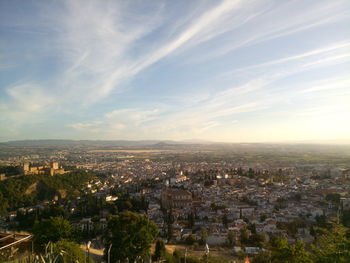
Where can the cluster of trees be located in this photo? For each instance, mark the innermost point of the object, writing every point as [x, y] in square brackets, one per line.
[331, 246]
[10, 170]
[87, 205]
[129, 237]
[251, 238]
[26, 220]
[31, 189]
[91, 205]
[61, 236]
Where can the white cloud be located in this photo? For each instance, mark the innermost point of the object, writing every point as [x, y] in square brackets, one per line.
[281, 20]
[330, 53]
[91, 126]
[133, 116]
[29, 97]
[326, 85]
[26, 103]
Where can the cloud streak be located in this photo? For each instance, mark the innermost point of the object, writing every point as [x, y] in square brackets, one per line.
[169, 70]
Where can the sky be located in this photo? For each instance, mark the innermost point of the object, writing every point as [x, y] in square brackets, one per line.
[226, 71]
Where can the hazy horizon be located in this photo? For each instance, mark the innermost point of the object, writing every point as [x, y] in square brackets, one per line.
[191, 141]
[220, 71]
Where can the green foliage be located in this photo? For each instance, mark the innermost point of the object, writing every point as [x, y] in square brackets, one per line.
[335, 198]
[282, 252]
[31, 189]
[191, 220]
[225, 220]
[10, 170]
[244, 236]
[231, 238]
[179, 257]
[263, 217]
[190, 239]
[3, 204]
[263, 257]
[321, 221]
[346, 218]
[159, 251]
[128, 203]
[257, 240]
[333, 245]
[291, 227]
[61, 252]
[131, 236]
[52, 230]
[204, 235]
[71, 252]
[217, 207]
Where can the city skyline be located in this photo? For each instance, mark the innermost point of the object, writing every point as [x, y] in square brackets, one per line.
[225, 71]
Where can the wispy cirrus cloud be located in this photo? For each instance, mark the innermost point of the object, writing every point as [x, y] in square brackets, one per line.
[281, 21]
[27, 99]
[113, 65]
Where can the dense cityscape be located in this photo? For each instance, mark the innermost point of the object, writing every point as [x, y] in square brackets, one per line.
[220, 199]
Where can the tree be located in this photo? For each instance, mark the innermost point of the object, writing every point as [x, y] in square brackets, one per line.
[263, 217]
[257, 240]
[346, 218]
[190, 239]
[204, 235]
[244, 236]
[131, 235]
[335, 198]
[191, 220]
[262, 257]
[332, 245]
[3, 204]
[159, 251]
[52, 230]
[231, 237]
[252, 228]
[225, 220]
[282, 252]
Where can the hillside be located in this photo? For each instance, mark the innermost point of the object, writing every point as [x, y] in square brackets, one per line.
[33, 189]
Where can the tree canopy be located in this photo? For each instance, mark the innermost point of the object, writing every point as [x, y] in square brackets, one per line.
[52, 230]
[333, 245]
[131, 235]
[29, 190]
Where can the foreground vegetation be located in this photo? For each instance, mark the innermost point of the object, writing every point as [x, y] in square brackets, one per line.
[129, 237]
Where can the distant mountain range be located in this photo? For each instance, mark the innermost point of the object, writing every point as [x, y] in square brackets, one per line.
[154, 143]
[103, 143]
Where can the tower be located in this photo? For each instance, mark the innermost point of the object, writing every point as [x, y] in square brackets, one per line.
[55, 165]
[26, 168]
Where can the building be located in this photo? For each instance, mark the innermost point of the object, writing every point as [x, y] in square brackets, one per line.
[26, 168]
[43, 169]
[178, 178]
[176, 198]
[55, 165]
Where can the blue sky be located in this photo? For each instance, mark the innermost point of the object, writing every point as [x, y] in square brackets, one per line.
[233, 71]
